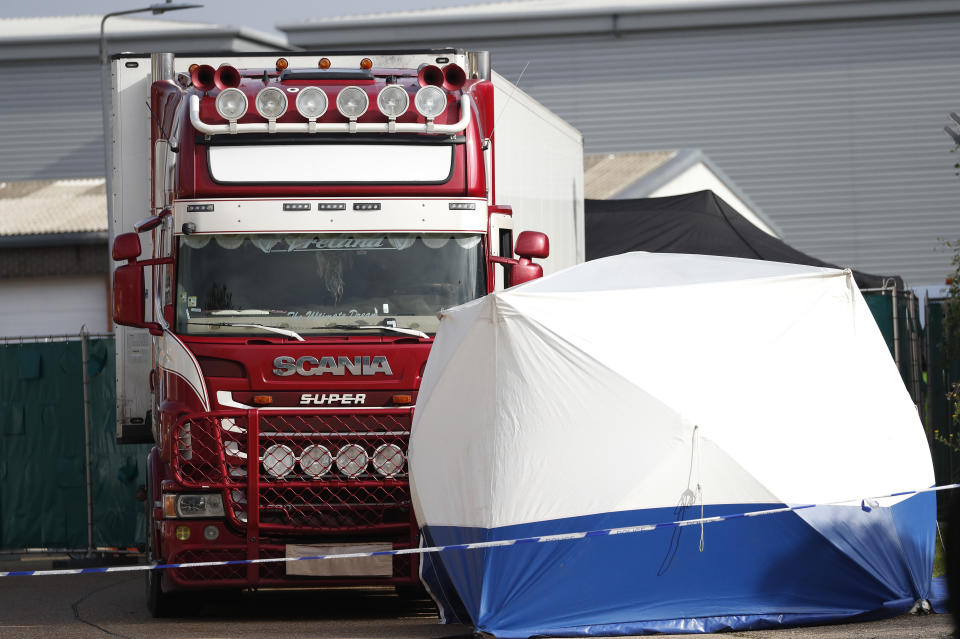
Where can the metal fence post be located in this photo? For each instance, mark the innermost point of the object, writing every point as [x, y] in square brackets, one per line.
[85, 376]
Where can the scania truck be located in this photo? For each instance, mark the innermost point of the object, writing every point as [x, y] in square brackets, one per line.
[286, 230]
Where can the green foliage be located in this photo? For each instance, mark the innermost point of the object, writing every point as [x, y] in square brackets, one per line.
[951, 310]
[951, 321]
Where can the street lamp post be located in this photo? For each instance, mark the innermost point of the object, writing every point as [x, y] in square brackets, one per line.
[156, 9]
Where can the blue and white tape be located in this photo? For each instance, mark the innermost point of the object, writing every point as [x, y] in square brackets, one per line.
[867, 504]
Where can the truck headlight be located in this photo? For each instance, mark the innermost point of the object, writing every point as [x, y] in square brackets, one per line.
[271, 103]
[352, 102]
[192, 506]
[430, 101]
[231, 104]
[393, 101]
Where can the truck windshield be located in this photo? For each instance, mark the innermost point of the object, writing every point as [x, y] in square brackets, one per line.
[324, 284]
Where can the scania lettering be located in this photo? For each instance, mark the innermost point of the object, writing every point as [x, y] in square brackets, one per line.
[308, 365]
[287, 230]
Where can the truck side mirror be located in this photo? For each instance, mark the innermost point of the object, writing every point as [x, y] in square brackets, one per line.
[126, 246]
[128, 285]
[128, 292]
[530, 244]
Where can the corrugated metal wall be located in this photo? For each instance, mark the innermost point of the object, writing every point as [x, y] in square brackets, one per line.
[51, 123]
[833, 128]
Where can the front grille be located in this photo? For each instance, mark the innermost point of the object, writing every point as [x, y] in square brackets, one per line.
[331, 472]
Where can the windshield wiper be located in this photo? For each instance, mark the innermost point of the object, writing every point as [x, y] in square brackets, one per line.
[272, 329]
[379, 327]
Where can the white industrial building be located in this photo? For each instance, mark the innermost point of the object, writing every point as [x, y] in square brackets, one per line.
[828, 113]
[53, 207]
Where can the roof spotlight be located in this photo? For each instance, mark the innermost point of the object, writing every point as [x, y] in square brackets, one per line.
[352, 102]
[271, 103]
[311, 102]
[231, 104]
[430, 101]
[393, 101]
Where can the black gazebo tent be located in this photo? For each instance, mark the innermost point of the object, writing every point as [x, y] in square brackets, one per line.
[699, 223]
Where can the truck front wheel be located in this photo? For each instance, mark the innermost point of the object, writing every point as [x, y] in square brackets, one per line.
[159, 603]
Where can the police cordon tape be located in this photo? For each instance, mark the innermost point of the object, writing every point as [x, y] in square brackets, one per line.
[867, 504]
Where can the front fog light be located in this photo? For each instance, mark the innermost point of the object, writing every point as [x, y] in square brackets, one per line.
[211, 532]
[271, 103]
[278, 461]
[231, 104]
[316, 460]
[352, 460]
[183, 533]
[388, 460]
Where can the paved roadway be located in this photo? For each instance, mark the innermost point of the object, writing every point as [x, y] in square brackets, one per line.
[112, 605]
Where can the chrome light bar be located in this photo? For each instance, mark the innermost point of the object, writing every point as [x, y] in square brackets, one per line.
[329, 127]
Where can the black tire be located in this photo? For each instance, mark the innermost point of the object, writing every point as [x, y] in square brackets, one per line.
[412, 592]
[952, 556]
[160, 604]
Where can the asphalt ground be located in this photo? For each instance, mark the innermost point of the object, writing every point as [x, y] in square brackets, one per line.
[113, 605]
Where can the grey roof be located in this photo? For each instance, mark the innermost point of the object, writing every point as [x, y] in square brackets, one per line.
[636, 175]
[605, 175]
[69, 36]
[52, 208]
[552, 17]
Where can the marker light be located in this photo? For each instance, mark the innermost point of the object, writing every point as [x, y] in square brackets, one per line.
[352, 460]
[393, 101]
[271, 103]
[366, 63]
[324, 63]
[278, 461]
[430, 101]
[316, 461]
[282, 64]
[311, 102]
[231, 104]
[352, 102]
[388, 460]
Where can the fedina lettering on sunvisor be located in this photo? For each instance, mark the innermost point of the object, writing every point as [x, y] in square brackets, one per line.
[285, 365]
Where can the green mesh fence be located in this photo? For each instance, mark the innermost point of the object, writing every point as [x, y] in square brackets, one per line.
[43, 495]
[905, 344]
[942, 373]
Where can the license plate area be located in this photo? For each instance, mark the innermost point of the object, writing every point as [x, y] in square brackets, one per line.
[381, 566]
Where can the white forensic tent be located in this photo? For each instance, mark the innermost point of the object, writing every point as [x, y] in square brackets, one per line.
[645, 388]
